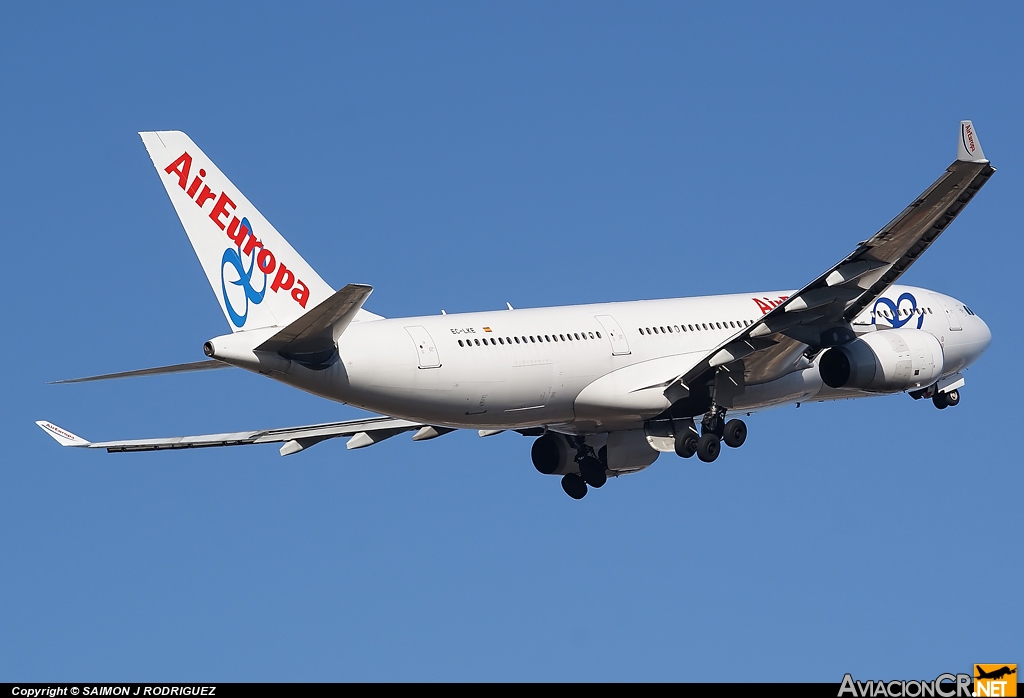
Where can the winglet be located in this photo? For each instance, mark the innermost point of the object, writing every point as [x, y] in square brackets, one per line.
[62, 436]
[969, 149]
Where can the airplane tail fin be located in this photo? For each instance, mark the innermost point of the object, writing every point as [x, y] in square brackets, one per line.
[258, 278]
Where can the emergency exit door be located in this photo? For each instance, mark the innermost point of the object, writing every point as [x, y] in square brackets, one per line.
[615, 334]
[425, 349]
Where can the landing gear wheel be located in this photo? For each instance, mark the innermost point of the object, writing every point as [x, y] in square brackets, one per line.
[735, 433]
[574, 486]
[686, 444]
[592, 472]
[952, 398]
[939, 400]
[708, 447]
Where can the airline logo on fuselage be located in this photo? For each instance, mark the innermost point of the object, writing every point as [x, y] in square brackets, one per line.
[245, 246]
[898, 320]
[766, 305]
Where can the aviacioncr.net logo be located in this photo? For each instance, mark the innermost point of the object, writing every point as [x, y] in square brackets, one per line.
[905, 302]
[234, 271]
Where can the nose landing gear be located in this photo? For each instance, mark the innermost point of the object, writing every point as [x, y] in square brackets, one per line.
[944, 400]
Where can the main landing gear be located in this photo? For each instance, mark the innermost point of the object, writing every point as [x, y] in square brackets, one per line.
[714, 430]
[593, 471]
[944, 400]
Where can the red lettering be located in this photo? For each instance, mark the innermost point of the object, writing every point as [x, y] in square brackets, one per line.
[220, 209]
[762, 306]
[284, 279]
[237, 233]
[265, 261]
[300, 293]
[204, 196]
[181, 167]
[194, 187]
[251, 244]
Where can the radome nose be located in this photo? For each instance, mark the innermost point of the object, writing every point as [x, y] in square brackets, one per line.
[984, 335]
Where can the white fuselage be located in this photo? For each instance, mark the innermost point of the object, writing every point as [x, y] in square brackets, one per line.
[590, 368]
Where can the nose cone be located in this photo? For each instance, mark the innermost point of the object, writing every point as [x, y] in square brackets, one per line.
[984, 335]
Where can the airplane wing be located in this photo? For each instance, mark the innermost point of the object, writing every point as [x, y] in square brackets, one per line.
[819, 314]
[364, 432]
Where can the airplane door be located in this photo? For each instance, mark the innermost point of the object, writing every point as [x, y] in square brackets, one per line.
[620, 346]
[425, 349]
[954, 321]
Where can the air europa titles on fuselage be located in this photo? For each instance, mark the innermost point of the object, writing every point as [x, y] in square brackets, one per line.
[239, 234]
[765, 305]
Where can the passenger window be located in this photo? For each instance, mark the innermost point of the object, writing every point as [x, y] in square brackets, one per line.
[477, 342]
[460, 342]
[493, 342]
[677, 328]
[663, 330]
[547, 338]
[532, 341]
[591, 335]
[500, 340]
[561, 337]
[648, 330]
[691, 327]
[599, 335]
[517, 339]
[577, 336]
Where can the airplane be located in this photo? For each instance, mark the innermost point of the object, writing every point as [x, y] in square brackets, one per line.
[996, 674]
[605, 389]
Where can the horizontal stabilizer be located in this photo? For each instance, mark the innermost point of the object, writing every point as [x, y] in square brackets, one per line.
[312, 339]
[159, 370]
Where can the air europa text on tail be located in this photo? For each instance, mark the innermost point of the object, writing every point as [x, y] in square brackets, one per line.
[237, 231]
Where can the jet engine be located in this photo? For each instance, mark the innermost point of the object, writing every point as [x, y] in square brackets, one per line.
[552, 455]
[884, 361]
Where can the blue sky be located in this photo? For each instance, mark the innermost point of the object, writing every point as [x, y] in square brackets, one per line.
[458, 156]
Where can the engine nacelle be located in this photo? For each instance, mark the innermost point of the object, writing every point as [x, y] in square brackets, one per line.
[552, 455]
[620, 451]
[884, 361]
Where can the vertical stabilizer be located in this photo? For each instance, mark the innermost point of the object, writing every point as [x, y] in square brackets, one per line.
[259, 280]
